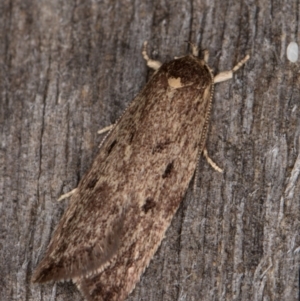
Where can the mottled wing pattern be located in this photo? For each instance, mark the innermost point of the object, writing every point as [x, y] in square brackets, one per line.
[124, 204]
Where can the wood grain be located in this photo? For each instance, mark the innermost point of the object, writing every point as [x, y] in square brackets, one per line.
[68, 69]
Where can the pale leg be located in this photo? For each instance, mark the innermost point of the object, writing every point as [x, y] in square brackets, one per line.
[225, 75]
[150, 63]
[67, 195]
[211, 162]
[106, 129]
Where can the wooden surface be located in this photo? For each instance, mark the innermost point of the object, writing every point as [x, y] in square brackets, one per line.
[70, 68]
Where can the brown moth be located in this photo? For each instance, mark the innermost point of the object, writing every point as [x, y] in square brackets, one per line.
[122, 207]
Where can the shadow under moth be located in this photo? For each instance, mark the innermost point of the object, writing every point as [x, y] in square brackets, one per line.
[122, 207]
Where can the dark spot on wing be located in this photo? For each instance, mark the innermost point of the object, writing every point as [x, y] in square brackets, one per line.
[109, 149]
[160, 146]
[168, 170]
[149, 204]
[91, 183]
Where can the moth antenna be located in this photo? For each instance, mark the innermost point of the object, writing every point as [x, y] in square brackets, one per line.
[195, 48]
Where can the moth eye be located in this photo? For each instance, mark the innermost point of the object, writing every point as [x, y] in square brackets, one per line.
[109, 149]
[168, 170]
[149, 204]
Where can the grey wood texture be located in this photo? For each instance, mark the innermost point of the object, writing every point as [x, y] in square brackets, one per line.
[69, 68]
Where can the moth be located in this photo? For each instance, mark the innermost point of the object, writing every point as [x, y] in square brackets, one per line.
[119, 213]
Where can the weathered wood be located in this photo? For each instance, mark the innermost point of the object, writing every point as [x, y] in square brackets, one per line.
[67, 69]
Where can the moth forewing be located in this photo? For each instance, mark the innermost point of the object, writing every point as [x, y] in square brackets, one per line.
[122, 207]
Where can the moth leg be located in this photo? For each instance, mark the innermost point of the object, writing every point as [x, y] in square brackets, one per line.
[205, 55]
[150, 63]
[70, 193]
[225, 75]
[211, 162]
[106, 129]
[67, 195]
[195, 49]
